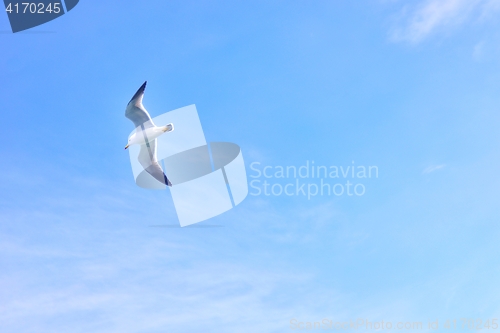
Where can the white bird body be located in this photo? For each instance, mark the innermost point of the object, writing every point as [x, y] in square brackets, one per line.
[149, 134]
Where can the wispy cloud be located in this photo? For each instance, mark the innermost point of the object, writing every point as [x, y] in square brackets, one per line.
[433, 168]
[420, 21]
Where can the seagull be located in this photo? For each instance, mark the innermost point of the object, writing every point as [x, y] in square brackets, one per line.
[145, 135]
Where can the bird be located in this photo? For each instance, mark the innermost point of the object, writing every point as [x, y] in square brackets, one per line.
[145, 135]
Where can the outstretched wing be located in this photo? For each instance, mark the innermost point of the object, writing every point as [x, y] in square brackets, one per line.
[147, 158]
[136, 112]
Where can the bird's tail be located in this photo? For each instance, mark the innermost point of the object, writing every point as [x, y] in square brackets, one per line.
[168, 128]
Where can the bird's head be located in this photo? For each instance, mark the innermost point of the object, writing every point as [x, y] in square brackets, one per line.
[128, 143]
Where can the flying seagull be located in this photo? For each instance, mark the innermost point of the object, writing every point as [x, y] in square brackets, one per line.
[145, 135]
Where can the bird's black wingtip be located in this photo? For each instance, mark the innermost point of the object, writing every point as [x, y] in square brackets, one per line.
[140, 91]
[167, 182]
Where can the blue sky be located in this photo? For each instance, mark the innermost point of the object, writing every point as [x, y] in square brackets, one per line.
[410, 87]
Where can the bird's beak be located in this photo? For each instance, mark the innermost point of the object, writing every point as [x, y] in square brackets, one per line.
[126, 146]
